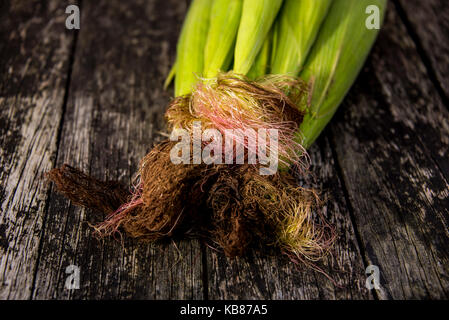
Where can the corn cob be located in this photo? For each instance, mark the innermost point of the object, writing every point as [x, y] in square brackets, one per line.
[341, 48]
[257, 19]
[191, 43]
[296, 29]
[224, 23]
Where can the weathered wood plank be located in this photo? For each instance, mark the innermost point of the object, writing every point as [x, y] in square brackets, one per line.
[262, 276]
[392, 144]
[115, 108]
[430, 22]
[34, 60]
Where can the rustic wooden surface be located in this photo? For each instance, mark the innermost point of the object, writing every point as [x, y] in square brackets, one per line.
[93, 98]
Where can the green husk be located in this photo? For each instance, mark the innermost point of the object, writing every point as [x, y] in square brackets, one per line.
[257, 19]
[341, 48]
[296, 29]
[224, 24]
[191, 44]
[170, 76]
[260, 65]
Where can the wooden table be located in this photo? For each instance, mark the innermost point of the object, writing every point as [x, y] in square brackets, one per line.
[94, 99]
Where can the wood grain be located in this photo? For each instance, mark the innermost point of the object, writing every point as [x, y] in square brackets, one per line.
[430, 24]
[34, 56]
[94, 99]
[114, 111]
[392, 145]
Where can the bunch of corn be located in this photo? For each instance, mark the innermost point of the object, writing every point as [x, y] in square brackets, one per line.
[313, 50]
[324, 42]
